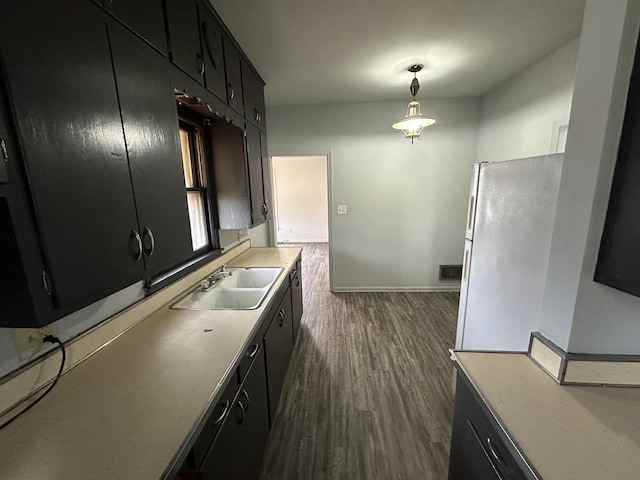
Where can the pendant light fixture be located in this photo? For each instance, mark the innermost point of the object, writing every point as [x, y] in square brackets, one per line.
[413, 123]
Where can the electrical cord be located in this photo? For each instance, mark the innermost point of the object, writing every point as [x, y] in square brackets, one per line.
[47, 339]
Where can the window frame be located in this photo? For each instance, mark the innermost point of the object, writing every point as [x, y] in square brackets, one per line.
[201, 178]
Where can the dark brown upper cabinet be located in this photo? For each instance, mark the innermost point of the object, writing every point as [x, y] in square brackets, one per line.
[254, 162]
[59, 76]
[253, 91]
[266, 178]
[212, 51]
[184, 37]
[145, 17]
[150, 123]
[234, 76]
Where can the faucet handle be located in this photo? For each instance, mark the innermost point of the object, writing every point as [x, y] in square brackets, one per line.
[224, 267]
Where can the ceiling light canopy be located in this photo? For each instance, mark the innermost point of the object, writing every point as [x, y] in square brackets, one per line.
[413, 123]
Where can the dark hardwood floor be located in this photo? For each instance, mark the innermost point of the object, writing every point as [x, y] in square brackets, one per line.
[368, 390]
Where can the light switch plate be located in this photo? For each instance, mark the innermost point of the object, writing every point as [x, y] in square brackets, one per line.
[342, 209]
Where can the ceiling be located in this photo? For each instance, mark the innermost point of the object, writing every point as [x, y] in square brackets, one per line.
[339, 51]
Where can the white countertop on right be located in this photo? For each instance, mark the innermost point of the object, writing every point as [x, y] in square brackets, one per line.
[565, 432]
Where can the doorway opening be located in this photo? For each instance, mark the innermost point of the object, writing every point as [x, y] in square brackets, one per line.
[301, 201]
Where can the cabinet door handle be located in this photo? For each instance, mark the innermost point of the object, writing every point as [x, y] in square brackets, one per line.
[281, 315]
[201, 59]
[243, 412]
[297, 282]
[231, 92]
[495, 453]
[294, 272]
[227, 404]
[205, 35]
[265, 208]
[150, 246]
[136, 244]
[245, 394]
[253, 350]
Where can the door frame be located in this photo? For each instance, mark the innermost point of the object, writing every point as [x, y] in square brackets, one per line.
[305, 153]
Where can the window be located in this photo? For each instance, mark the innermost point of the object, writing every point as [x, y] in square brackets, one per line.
[191, 143]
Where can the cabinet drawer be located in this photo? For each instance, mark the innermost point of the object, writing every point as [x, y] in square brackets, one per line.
[471, 417]
[215, 421]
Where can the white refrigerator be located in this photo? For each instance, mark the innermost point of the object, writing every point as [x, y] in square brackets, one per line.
[509, 225]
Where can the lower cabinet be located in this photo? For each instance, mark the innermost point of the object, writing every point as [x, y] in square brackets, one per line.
[237, 450]
[478, 451]
[278, 345]
[231, 444]
[296, 298]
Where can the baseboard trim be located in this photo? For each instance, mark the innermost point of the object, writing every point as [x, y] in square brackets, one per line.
[584, 369]
[396, 289]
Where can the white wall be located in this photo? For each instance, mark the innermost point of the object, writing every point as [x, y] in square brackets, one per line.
[300, 203]
[517, 119]
[578, 314]
[406, 203]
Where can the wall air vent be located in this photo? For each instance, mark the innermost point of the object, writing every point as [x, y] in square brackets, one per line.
[450, 272]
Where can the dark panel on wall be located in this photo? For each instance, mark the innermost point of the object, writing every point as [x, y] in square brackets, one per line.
[618, 261]
[230, 172]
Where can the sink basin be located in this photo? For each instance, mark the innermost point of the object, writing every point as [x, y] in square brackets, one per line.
[244, 289]
[250, 278]
[220, 299]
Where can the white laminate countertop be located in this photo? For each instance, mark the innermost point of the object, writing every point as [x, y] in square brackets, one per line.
[125, 412]
[565, 432]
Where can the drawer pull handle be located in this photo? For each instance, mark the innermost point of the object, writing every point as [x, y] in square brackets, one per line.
[243, 412]
[245, 394]
[227, 404]
[253, 350]
[494, 452]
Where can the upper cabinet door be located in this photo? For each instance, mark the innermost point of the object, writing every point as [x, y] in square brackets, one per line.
[211, 35]
[254, 157]
[184, 37]
[266, 178]
[150, 121]
[253, 90]
[234, 76]
[58, 72]
[145, 17]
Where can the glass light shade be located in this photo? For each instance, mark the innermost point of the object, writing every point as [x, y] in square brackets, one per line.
[413, 123]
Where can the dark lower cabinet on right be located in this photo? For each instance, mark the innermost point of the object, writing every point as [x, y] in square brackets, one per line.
[478, 446]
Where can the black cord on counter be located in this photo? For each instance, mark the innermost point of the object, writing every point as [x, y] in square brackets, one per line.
[47, 339]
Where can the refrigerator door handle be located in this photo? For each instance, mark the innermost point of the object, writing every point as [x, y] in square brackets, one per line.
[465, 267]
[471, 213]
